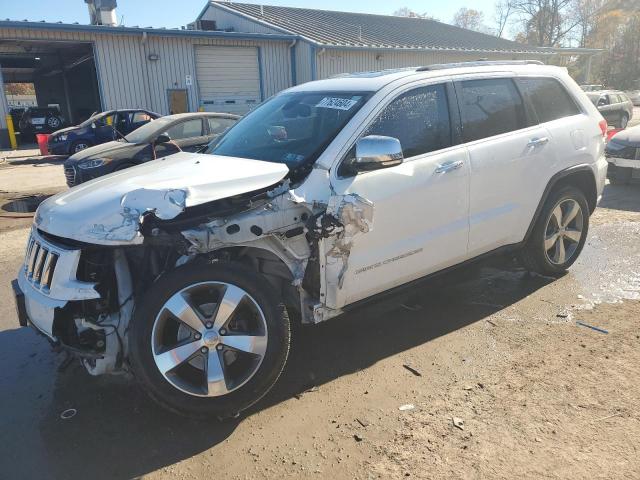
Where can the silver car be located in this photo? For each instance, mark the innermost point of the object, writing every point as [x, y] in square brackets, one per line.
[615, 106]
[634, 96]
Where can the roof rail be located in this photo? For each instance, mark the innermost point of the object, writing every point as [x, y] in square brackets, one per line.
[477, 63]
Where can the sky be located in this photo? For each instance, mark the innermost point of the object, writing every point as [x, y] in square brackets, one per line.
[172, 13]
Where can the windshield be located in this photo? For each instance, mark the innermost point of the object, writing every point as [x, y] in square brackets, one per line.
[148, 131]
[292, 128]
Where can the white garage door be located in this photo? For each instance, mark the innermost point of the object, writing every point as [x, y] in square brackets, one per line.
[228, 78]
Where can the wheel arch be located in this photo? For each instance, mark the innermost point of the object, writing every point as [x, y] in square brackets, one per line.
[579, 176]
[271, 266]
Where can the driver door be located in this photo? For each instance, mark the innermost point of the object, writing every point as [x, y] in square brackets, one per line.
[420, 207]
[104, 129]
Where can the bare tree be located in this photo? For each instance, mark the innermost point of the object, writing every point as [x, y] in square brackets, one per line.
[407, 12]
[503, 12]
[469, 18]
[546, 23]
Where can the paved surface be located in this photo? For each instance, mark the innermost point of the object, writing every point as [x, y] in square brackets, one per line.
[539, 395]
[636, 117]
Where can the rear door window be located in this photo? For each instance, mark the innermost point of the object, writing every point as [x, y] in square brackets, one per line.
[418, 118]
[549, 98]
[218, 125]
[188, 129]
[489, 107]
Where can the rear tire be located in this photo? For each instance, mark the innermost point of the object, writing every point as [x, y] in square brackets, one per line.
[624, 121]
[204, 380]
[559, 233]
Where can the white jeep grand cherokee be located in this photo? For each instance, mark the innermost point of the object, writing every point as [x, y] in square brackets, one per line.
[189, 270]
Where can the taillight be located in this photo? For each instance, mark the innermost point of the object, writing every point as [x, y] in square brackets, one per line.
[603, 127]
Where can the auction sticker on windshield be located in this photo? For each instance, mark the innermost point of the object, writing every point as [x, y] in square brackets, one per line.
[337, 103]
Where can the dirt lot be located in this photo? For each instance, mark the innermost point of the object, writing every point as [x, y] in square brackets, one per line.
[374, 394]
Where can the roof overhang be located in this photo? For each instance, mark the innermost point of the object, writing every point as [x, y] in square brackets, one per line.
[163, 32]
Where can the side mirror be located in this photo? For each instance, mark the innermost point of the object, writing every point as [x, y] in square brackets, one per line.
[93, 125]
[163, 138]
[374, 152]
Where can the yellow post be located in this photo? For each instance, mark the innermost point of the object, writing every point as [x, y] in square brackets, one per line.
[12, 133]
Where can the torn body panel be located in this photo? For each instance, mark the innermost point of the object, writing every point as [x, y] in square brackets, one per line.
[352, 215]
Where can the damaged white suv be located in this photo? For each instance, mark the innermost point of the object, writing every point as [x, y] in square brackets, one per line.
[188, 271]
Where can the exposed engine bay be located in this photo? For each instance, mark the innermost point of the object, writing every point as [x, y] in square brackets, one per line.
[300, 245]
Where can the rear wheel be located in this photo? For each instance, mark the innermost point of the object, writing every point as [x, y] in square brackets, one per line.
[209, 340]
[559, 233]
[624, 121]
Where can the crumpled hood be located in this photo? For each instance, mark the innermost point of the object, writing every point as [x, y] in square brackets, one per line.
[107, 210]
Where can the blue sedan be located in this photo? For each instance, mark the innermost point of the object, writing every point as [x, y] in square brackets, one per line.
[100, 128]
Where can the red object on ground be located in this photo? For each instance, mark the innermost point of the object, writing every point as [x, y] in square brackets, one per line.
[612, 132]
[43, 143]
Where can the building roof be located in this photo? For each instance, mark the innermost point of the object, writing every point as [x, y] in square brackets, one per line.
[160, 31]
[362, 30]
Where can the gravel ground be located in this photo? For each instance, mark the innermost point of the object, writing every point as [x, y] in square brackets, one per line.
[533, 394]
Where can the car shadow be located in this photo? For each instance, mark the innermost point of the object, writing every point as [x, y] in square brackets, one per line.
[39, 161]
[117, 432]
[621, 197]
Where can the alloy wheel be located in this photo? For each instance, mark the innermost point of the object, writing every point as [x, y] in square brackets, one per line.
[209, 339]
[79, 147]
[564, 231]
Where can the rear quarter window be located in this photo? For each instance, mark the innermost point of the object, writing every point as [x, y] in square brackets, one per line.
[549, 98]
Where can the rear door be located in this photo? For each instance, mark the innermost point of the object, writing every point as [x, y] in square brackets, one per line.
[189, 135]
[217, 126]
[507, 151]
[608, 108]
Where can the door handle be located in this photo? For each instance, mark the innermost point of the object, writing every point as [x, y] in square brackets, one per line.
[449, 166]
[536, 142]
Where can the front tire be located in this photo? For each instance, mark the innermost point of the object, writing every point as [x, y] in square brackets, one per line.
[79, 146]
[209, 340]
[559, 233]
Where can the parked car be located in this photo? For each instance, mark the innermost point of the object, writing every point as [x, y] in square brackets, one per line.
[166, 135]
[40, 120]
[592, 87]
[190, 270]
[614, 106]
[97, 129]
[634, 96]
[623, 155]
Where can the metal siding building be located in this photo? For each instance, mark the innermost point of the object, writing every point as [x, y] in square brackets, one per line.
[331, 43]
[277, 47]
[136, 68]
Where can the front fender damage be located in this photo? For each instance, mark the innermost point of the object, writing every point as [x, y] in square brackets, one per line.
[303, 233]
[351, 215]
